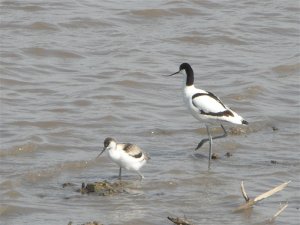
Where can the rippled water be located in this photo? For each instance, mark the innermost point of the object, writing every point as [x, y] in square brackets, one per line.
[75, 72]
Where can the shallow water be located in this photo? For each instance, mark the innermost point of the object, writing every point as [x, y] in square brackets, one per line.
[73, 73]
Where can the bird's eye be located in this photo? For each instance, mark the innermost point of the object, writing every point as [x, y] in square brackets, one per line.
[105, 144]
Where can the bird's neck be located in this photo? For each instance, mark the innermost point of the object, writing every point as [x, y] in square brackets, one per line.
[189, 91]
[189, 77]
[112, 147]
[114, 153]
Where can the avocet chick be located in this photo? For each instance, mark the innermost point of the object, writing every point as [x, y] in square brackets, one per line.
[128, 156]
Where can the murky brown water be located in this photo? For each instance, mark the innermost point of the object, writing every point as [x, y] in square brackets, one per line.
[75, 72]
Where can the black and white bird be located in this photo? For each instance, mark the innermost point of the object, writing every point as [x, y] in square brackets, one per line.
[205, 106]
[128, 156]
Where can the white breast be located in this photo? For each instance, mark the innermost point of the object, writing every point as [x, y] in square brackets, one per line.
[188, 92]
[121, 158]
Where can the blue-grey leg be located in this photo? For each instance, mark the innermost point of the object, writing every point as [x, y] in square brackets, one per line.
[210, 146]
[120, 172]
[216, 137]
[141, 175]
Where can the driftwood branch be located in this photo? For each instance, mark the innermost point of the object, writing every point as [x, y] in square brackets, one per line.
[179, 221]
[271, 192]
[251, 201]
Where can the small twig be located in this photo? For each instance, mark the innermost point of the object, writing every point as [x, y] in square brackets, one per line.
[281, 209]
[244, 192]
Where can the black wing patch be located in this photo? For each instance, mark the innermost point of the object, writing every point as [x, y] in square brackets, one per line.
[210, 95]
[138, 155]
[223, 113]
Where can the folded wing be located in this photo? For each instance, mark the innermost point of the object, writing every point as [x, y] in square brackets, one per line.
[133, 150]
[209, 104]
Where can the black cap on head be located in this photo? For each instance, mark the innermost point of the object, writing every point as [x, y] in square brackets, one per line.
[185, 66]
[107, 141]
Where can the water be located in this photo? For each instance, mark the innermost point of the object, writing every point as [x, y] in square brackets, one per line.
[76, 72]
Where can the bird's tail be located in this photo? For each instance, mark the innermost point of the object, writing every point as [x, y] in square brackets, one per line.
[236, 118]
